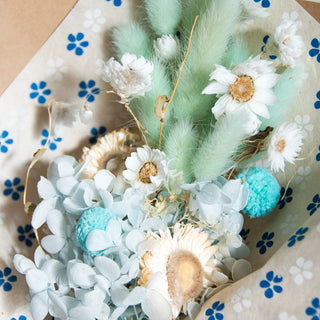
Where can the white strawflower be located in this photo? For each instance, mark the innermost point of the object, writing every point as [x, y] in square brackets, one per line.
[147, 169]
[181, 264]
[285, 145]
[289, 44]
[130, 78]
[248, 86]
[166, 47]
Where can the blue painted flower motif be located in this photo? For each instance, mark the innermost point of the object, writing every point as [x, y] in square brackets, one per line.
[13, 188]
[20, 318]
[39, 91]
[26, 234]
[264, 3]
[265, 242]
[271, 284]
[77, 43]
[298, 236]
[96, 133]
[317, 103]
[285, 197]
[314, 205]
[214, 313]
[6, 278]
[244, 233]
[52, 141]
[116, 3]
[88, 90]
[315, 51]
[318, 155]
[4, 139]
[314, 311]
[265, 41]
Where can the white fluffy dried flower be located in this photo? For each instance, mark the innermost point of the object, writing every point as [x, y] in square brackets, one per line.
[130, 78]
[166, 47]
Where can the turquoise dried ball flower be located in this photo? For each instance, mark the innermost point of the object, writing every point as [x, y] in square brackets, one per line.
[95, 218]
[264, 191]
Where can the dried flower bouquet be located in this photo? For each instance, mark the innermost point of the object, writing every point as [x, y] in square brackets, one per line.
[146, 224]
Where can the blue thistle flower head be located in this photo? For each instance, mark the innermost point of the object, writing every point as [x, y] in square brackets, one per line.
[264, 191]
[92, 219]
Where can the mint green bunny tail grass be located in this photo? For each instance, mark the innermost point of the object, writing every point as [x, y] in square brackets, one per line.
[237, 52]
[191, 9]
[180, 147]
[285, 91]
[144, 106]
[211, 37]
[163, 15]
[215, 154]
[131, 38]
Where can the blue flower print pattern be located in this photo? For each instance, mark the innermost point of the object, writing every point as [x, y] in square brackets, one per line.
[88, 90]
[317, 103]
[318, 155]
[244, 233]
[13, 188]
[6, 278]
[265, 41]
[214, 313]
[314, 311]
[264, 3]
[39, 91]
[52, 142]
[20, 318]
[315, 51]
[271, 284]
[285, 197]
[314, 205]
[96, 133]
[4, 139]
[77, 43]
[298, 236]
[26, 234]
[116, 3]
[266, 242]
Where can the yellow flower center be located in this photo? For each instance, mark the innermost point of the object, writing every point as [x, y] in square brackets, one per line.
[184, 275]
[280, 146]
[243, 89]
[147, 170]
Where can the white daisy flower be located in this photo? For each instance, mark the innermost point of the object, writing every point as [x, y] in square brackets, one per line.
[247, 86]
[289, 44]
[183, 261]
[130, 78]
[147, 169]
[284, 145]
[166, 47]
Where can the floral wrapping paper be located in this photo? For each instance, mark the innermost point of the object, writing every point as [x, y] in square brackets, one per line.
[285, 283]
